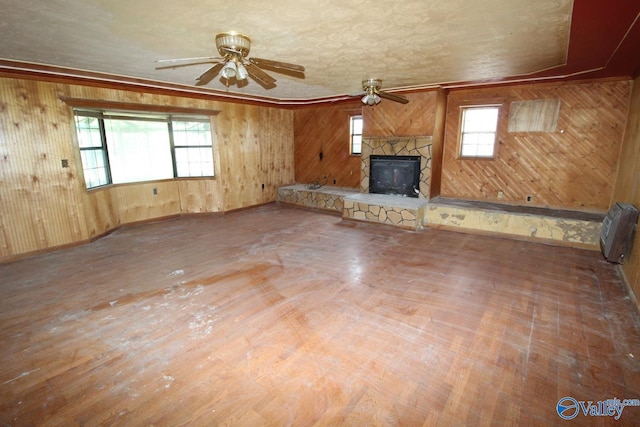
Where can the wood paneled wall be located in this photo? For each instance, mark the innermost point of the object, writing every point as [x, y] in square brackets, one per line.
[322, 145]
[41, 202]
[437, 142]
[322, 134]
[627, 187]
[573, 167]
[256, 150]
[147, 200]
[43, 205]
[277, 158]
[417, 118]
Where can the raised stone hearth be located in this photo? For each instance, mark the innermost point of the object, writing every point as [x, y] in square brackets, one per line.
[324, 198]
[403, 212]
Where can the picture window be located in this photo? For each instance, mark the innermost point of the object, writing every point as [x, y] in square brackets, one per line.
[120, 147]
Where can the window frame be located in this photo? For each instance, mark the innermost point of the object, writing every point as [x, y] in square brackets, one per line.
[353, 117]
[102, 148]
[174, 145]
[136, 115]
[461, 133]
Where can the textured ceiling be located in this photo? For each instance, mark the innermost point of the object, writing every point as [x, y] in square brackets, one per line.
[409, 43]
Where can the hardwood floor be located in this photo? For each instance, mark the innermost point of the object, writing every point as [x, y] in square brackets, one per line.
[283, 316]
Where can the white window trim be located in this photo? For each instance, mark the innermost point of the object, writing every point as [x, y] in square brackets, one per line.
[461, 134]
[351, 134]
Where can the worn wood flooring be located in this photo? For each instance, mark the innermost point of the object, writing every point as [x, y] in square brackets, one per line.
[281, 316]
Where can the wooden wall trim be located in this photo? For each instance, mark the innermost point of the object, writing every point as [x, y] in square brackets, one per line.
[24, 255]
[130, 106]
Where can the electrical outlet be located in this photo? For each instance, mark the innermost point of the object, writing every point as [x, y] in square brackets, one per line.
[65, 163]
[155, 191]
[529, 198]
[500, 194]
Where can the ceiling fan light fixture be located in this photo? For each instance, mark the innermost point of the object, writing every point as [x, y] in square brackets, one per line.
[371, 87]
[242, 72]
[229, 70]
[371, 99]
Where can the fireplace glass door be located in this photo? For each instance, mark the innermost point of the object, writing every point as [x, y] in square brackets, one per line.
[398, 175]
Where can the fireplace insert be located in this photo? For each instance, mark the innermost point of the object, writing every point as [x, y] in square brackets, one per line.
[395, 175]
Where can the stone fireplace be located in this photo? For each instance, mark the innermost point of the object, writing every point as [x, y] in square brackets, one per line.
[396, 175]
[361, 204]
[414, 146]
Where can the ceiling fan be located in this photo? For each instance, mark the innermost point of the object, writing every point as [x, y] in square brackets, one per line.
[233, 63]
[372, 93]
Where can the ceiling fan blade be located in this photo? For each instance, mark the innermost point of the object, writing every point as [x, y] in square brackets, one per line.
[392, 97]
[164, 67]
[264, 79]
[277, 64]
[197, 58]
[206, 77]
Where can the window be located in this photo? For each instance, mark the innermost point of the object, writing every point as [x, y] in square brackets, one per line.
[356, 135]
[93, 152]
[478, 131]
[192, 147]
[120, 147]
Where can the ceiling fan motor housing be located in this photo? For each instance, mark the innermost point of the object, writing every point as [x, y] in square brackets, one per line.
[233, 42]
[372, 85]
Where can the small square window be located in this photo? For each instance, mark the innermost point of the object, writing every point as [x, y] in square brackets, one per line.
[478, 131]
[356, 135]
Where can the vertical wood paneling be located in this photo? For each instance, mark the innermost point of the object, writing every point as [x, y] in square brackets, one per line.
[139, 202]
[240, 155]
[44, 205]
[41, 204]
[627, 187]
[256, 148]
[572, 168]
[322, 151]
[101, 211]
[199, 195]
[437, 142]
[277, 150]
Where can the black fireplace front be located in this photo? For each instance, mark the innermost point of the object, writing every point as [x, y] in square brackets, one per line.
[395, 175]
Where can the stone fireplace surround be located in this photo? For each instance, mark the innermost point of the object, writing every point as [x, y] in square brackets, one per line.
[398, 146]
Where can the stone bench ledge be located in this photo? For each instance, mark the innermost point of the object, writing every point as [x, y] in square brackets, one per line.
[567, 228]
